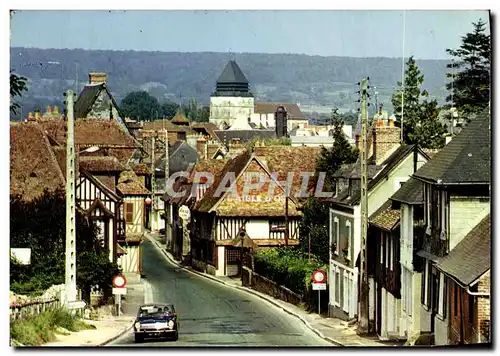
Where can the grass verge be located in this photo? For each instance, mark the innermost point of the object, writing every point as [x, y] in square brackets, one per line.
[42, 328]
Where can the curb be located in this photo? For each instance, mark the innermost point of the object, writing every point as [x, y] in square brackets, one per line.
[117, 336]
[247, 290]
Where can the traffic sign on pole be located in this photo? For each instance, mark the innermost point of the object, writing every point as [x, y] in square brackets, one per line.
[119, 281]
[319, 284]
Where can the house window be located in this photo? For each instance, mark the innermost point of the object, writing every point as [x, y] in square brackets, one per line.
[428, 204]
[393, 251]
[129, 212]
[442, 302]
[382, 238]
[337, 287]
[425, 285]
[348, 243]
[277, 226]
[336, 230]
[387, 249]
[346, 292]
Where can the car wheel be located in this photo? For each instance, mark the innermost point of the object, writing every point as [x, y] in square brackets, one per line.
[176, 336]
[139, 338]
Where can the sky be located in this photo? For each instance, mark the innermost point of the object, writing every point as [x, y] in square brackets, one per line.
[351, 33]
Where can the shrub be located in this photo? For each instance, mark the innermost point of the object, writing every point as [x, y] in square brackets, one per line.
[287, 266]
[39, 329]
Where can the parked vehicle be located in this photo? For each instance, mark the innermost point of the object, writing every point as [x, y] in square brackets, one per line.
[156, 320]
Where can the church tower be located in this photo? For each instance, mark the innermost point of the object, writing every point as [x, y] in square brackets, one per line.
[232, 98]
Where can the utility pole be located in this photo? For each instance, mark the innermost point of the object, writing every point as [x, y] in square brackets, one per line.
[364, 295]
[153, 185]
[70, 271]
[403, 77]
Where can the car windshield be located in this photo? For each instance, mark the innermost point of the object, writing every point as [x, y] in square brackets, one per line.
[155, 310]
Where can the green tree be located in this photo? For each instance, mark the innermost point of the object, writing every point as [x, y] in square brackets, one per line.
[204, 115]
[17, 86]
[470, 77]
[191, 110]
[40, 225]
[169, 109]
[420, 124]
[315, 220]
[140, 105]
[330, 160]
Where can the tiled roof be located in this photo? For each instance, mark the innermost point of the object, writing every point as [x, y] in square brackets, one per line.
[278, 160]
[235, 165]
[179, 118]
[466, 159]
[90, 132]
[33, 165]
[471, 258]
[412, 192]
[212, 166]
[159, 125]
[129, 184]
[205, 127]
[385, 217]
[243, 135]
[100, 164]
[293, 110]
[141, 169]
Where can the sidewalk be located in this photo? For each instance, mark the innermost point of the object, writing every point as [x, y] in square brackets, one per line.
[108, 327]
[333, 330]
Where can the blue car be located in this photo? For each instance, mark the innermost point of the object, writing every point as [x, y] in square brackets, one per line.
[156, 320]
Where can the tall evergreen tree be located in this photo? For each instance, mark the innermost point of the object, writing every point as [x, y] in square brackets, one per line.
[470, 75]
[420, 123]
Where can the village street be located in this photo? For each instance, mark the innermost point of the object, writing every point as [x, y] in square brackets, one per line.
[212, 314]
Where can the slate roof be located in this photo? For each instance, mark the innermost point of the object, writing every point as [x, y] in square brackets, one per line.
[385, 217]
[471, 258]
[243, 135]
[412, 192]
[293, 110]
[466, 159]
[86, 99]
[33, 165]
[232, 74]
[181, 155]
[386, 167]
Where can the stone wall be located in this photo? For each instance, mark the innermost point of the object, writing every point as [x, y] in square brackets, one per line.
[264, 285]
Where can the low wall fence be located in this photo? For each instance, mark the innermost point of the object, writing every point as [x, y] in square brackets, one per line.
[32, 308]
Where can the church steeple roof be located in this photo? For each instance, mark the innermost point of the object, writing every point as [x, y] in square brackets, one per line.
[232, 82]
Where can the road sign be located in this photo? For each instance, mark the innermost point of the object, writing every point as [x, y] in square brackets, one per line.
[120, 291]
[184, 213]
[119, 281]
[319, 286]
[319, 276]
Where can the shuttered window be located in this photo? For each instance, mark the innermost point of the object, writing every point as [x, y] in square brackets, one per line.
[129, 212]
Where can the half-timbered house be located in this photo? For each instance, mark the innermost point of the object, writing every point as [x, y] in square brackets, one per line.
[457, 197]
[262, 212]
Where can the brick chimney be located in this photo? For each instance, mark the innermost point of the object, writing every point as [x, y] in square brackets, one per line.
[201, 147]
[385, 140]
[56, 110]
[97, 78]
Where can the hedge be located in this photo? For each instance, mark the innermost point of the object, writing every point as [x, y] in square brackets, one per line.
[287, 266]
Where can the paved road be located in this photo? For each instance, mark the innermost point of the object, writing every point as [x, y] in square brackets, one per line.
[212, 314]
